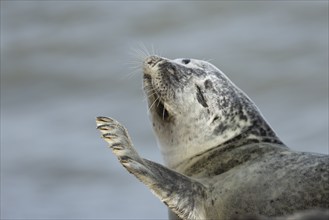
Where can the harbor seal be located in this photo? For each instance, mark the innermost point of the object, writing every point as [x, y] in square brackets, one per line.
[222, 159]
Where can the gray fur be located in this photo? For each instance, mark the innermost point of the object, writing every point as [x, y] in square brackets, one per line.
[223, 159]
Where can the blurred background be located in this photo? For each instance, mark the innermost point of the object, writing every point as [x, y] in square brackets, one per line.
[65, 62]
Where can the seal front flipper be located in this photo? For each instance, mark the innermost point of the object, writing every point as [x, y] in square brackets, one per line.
[118, 139]
[183, 195]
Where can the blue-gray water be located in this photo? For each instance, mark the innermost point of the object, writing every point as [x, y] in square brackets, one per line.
[65, 62]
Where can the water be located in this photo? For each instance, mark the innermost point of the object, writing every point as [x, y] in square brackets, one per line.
[65, 62]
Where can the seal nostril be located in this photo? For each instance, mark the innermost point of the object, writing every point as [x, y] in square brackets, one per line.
[152, 61]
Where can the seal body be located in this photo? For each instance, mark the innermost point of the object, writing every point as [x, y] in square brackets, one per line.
[223, 160]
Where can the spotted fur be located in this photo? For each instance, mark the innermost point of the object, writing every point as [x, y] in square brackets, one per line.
[223, 160]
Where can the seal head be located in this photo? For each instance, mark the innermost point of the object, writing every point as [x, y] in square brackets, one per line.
[195, 107]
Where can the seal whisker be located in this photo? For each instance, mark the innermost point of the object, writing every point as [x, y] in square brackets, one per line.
[149, 109]
[139, 53]
[207, 60]
[158, 52]
[152, 49]
[144, 48]
[149, 90]
[132, 73]
[135, 64]
[148, 96]
[163, 112]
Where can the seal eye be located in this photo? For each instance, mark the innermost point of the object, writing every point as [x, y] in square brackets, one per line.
[186, 61]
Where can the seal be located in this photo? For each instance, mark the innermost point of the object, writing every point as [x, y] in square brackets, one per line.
[222, 159]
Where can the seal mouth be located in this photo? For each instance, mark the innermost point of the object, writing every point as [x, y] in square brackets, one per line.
[155, 101]
[161, 110]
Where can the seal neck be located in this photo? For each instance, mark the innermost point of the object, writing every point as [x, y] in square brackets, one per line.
[254, 134]
[221, 159]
